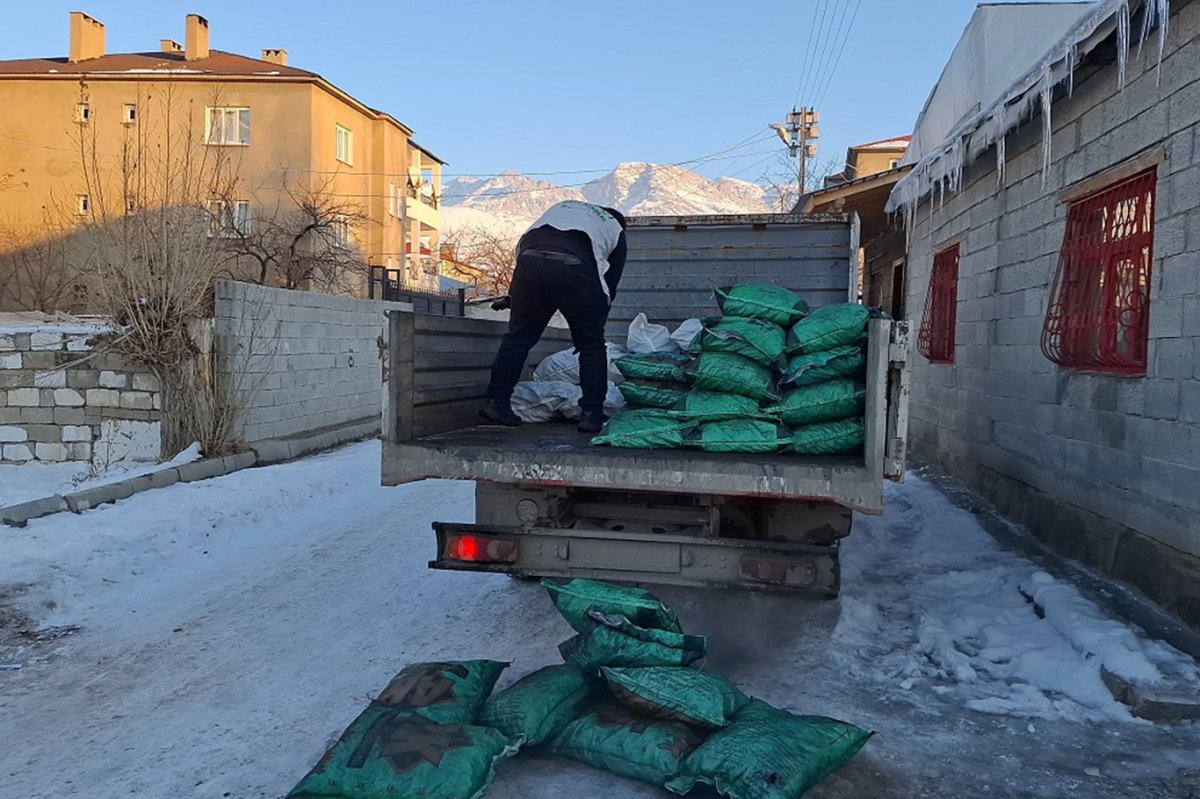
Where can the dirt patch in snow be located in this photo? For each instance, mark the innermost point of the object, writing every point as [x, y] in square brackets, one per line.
[21, 639]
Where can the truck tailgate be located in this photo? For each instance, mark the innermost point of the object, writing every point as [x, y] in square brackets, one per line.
[555, 454]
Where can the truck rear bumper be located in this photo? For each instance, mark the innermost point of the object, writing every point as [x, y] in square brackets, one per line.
[638, 557]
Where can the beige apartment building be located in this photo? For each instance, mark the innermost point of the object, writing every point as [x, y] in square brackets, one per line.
[279, 128]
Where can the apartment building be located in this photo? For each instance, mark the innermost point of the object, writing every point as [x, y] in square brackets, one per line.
[284, 131]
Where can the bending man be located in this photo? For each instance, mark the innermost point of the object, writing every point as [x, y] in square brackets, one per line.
[569, 260]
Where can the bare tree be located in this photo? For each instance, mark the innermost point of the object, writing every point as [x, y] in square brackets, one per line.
[303, 238]
[146, 251]
[781, 179]
[482, 256]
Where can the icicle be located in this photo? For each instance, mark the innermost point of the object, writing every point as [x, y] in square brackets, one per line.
[1162, 10]
[1000, 160]
[1047, 89]
[1072, 57]
[1122, 42]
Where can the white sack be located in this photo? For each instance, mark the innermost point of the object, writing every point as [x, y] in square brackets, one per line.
[647, 337]
[539, 400]
[688, 329]
[564, 365]
[613, 402]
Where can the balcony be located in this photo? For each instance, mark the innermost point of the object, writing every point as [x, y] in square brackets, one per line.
[423, 209]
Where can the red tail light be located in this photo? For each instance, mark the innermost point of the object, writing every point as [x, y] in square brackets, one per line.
[481, 549]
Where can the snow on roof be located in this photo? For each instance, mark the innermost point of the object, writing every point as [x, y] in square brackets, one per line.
[894, 143]
[940, 167]
[997, 45]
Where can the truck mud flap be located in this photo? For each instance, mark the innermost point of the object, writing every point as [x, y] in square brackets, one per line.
[638, 557]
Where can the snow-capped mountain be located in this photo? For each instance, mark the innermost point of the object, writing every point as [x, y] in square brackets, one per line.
[509, 202]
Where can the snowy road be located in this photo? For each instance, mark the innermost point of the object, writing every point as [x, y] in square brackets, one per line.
[231, 628]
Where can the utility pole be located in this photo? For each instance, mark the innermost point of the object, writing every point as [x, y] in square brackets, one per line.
[798, 135]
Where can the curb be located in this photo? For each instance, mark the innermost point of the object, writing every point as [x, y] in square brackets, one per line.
[263, 453]
[279, 450]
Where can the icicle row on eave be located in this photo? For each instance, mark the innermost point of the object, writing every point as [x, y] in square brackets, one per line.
[941, 169]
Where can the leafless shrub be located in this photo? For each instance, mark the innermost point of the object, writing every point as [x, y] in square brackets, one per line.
[147, 252]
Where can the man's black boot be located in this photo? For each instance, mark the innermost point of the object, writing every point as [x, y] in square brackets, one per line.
[498, 412]
[592, 421]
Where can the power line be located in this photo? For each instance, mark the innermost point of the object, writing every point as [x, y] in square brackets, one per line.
[807, 54]
[756, 138]
[837, 60]
[827, 48]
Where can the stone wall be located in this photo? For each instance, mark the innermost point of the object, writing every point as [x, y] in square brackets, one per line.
[296, 361]
[62, 400]
[1105, 468]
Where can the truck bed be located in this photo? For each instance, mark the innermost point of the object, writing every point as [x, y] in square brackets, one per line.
[556, 454]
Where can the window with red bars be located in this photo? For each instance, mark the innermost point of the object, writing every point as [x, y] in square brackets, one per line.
[1099, 312]
[936, 337]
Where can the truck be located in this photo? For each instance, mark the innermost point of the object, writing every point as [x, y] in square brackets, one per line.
[548, 504]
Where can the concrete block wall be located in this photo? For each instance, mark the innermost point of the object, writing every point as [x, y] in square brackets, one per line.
[299, 361]
[63, 400]
[1097, 464]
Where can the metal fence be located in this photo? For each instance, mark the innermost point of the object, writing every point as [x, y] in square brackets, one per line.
[390, 285]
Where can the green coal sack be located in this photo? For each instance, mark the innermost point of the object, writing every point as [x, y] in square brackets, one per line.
[817, 367]
[769, 754]
[651, 395]
[829, 438]
[732, 374]
[450, 692]
[388, 753]
[616, 641]
[757, 339]
[642, 428]
[739, 435]
[823, 402]
[574, 599]
[676, 694]
[828, 327]
[610, 737]
[661, 367]
[714, 406]
[761, 301]
[537, 706]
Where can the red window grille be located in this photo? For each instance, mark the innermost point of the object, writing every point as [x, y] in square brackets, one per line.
[1099, 312]
[936, 337]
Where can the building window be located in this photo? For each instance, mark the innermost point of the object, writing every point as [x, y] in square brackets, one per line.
[229, 219]
[83, 204]
[341, 233]
[345, 145]
[1098, 318]
[229, 126]
[83, 112]
[936, 337]
[129, 115]
[893, 163]
[392, 199]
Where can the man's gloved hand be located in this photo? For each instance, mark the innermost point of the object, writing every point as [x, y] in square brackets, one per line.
[502, 304]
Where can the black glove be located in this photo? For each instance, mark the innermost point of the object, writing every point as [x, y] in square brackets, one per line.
[502, 304]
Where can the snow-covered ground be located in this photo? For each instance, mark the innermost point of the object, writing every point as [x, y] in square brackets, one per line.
[22, 482]
[231, 628]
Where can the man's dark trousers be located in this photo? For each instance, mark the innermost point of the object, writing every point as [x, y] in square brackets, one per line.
[542, 285]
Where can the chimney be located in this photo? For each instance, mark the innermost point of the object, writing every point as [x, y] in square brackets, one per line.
[170, 46]
[275, 57]
[196, 39]
[87, 37]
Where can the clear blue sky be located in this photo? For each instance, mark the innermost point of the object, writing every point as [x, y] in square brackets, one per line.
[551, 86]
